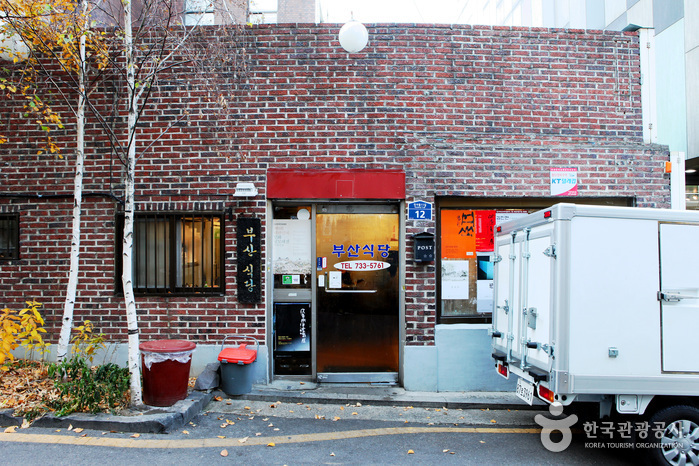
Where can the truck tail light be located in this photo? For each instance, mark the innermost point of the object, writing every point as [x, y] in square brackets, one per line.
[503, 370]
[547, 214]
[546, 394]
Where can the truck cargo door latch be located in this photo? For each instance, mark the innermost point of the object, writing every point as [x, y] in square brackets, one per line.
[550, 251]
[669, 297]
[546, 348]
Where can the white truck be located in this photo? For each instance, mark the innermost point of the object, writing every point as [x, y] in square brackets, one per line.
[601, 304]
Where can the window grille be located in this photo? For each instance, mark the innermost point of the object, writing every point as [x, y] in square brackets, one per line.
[9, 236]
[176, 253]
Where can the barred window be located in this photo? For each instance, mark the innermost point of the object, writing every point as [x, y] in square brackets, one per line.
[9, 236]
[176, 253]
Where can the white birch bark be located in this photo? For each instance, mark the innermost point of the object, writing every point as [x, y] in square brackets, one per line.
[71, 291]
[129, 210]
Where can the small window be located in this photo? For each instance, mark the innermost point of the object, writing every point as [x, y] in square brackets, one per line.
[199, 13]
[9, 236]
[176, 253]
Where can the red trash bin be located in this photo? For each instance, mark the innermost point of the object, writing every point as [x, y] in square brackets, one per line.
[165, 367]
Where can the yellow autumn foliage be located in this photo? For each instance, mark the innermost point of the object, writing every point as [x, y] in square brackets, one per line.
[23, 328]
[53, 29]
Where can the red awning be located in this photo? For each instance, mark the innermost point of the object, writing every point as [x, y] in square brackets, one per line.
[335, 184]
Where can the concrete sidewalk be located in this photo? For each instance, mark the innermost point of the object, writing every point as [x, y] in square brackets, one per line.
[382, 395]
[166, 419]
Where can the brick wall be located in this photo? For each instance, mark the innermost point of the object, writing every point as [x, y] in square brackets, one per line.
[466, 112]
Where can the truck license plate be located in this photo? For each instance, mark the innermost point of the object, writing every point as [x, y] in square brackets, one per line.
[525, 391]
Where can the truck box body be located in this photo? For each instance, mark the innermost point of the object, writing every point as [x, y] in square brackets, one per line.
[593, 301]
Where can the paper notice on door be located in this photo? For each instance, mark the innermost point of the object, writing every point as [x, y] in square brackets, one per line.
[321, 281]
[334, 279]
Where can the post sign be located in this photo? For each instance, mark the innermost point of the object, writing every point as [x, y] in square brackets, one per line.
[419, 210]
[249, 260]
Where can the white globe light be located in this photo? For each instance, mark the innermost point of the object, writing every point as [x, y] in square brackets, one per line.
[353, 36]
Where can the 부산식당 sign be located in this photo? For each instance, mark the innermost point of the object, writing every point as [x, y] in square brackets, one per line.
[249, 260]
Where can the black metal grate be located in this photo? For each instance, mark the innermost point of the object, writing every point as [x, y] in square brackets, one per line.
[9, 236]
[177, 253]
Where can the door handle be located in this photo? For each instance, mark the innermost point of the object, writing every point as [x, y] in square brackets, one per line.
[673, 297]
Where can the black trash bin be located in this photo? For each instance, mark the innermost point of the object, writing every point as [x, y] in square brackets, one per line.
[237, 367]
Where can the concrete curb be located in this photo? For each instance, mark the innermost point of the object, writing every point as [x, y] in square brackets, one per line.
[436, 400]
[155, 420]
[8, 420]
[288, 391]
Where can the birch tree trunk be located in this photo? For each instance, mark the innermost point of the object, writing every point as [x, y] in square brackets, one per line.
[71, 291]
[129, 210]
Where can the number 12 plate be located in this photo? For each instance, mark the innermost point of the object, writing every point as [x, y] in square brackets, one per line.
[525, 391]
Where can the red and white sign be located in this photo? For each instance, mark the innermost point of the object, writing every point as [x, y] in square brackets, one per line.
[564, 181]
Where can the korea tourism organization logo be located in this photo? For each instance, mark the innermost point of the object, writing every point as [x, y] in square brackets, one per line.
[557, 432]
[559, 424]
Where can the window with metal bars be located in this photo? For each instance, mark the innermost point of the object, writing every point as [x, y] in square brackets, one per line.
[176, 253]
[9, 236]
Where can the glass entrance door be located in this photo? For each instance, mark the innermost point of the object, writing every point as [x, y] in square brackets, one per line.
[357, 277]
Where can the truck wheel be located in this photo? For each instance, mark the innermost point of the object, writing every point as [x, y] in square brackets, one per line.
[680, 439]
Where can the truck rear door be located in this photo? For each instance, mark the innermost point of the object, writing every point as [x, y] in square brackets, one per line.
[523, 296]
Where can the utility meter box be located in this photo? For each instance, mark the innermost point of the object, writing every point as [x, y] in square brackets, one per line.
[424, 247]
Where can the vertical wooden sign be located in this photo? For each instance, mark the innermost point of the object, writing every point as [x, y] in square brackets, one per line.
[249, 260]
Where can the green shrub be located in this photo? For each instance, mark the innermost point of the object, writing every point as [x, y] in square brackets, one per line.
[88, 389]
[84, 388]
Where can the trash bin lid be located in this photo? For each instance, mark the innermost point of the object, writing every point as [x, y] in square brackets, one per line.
[239, 355]
[167, 346]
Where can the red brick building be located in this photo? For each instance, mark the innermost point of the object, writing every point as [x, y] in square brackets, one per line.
[344, 159]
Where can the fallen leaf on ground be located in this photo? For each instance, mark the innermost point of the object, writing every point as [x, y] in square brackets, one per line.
[11, 430]
[221, 436]
[411, 452]
[186, 432]
[224, 452]
[218, 398]
[77, 430]
[136, 435]
[243, 440]
[271, 444]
